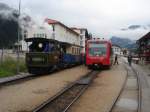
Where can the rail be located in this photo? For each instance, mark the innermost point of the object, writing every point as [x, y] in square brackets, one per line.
[15, 78]
[139, 90]
[63, 100]
[123, 89]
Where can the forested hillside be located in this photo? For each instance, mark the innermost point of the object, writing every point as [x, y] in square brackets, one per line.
[8, 26]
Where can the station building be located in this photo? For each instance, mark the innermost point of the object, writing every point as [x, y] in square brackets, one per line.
[144, 48]
[62, 33]
[52, 29]
[84, 36]
[117, 49]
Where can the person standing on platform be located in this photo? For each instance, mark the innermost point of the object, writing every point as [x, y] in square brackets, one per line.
[130, 59]
[116, 59]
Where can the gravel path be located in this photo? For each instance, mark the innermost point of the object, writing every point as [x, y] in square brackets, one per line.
[101, 94]
[26, 96]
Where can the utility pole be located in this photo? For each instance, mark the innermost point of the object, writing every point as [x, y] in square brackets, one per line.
[18, 55]
[53, 33]
[2, 53]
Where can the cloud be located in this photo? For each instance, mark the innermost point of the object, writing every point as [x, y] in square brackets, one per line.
[7, 13]
[136, 27]
[133, 34]
[101, 17]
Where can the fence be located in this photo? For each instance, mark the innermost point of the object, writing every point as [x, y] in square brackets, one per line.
[7, 54]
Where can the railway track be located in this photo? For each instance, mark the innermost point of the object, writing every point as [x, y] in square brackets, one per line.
[15, 79]
[129, 98]
[22, 77]
[62, 101]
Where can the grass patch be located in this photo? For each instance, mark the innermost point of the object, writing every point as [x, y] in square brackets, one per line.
[9, 67]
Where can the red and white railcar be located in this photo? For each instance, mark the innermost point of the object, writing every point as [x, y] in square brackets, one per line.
[99, 53]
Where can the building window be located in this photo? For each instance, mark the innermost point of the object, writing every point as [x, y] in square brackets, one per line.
[81, 31]
[41, 35]
[81, 43]
[148, 43]
[25, 36]
[45, 36]
[25, 31]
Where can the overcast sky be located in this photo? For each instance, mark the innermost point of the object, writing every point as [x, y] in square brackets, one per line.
[103, 18]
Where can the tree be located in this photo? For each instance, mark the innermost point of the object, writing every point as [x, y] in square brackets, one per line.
[8, 32]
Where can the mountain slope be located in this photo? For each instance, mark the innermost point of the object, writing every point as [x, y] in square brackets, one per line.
[123, 42]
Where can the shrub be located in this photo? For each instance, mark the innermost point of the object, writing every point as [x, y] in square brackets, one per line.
[9, 67]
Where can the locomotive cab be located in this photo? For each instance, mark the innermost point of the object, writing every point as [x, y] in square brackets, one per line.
[43, 55]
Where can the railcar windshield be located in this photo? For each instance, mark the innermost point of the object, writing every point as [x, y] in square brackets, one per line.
[97, 49]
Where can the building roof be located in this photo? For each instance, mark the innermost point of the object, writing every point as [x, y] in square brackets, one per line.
[86, 31]
[145, 37]
[116, 45]
[75, 28]
[51, 21]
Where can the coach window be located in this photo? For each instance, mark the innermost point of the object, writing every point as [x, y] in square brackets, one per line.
[72, 50]
[75, 50]
[79, 50]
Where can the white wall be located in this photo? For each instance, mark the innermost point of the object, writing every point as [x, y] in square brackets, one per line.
[117, 50]
[62, 34]
[82, 40]
[40, 32]
[46, 31]
[43, 32]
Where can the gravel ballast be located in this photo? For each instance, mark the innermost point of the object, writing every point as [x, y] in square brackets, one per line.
[26, 96]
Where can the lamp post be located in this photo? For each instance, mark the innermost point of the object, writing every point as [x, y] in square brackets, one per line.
[18, 38]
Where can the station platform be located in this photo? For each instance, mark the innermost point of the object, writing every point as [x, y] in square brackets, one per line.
[144, 76]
